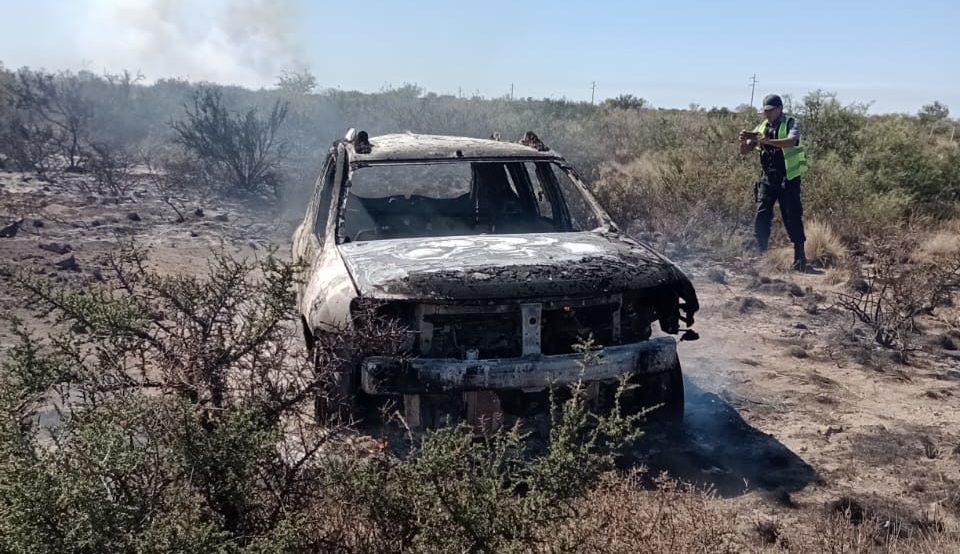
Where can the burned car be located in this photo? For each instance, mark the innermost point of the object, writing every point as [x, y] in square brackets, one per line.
[498, 261]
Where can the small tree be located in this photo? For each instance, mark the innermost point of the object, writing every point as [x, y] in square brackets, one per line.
[52, 109]
[829, 126]
[625, 102]
[243, 146]
[297, 82]
[933, 113]
[30, 147]
[6, 114]
[111, 169]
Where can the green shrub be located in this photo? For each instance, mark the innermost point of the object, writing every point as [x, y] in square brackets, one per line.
[690, 197]
[898, 155]
[830, 127]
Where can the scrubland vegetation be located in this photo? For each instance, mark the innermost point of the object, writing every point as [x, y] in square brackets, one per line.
[175, 413]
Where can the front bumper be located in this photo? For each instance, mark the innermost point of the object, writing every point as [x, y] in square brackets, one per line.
[381, 375]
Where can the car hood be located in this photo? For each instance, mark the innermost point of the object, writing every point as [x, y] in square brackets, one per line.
[505, 266]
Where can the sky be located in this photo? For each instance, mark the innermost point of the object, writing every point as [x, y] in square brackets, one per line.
[896, 56]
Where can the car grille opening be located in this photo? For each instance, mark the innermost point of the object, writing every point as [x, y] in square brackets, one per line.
[564, 328]
[497, 331]
[492, 335]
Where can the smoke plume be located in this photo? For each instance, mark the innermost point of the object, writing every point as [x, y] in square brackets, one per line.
[245, 42]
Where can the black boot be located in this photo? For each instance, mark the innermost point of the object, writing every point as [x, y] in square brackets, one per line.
[799, 258]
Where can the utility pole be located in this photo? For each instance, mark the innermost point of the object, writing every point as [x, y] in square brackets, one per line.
[753, 87]
[511, 91]
[460, 92]
[593, 91]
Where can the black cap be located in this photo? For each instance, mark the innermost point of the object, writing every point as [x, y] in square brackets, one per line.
[772, 101]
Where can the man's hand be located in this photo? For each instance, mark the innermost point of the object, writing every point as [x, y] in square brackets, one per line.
[776, 143]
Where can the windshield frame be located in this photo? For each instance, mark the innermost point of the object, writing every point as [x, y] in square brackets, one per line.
[606, 223]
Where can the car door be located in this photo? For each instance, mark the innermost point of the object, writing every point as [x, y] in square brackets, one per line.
[305, 242]
[310, 237]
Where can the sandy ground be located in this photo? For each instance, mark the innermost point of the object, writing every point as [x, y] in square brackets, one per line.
[782, 416]
[788, 409]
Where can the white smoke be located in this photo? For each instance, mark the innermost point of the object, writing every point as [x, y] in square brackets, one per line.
[244, 42]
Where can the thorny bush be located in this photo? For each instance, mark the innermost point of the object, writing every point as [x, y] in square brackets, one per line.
[51, 110]
[49, 130]
[244, 147]
[895, 290]
[112, 170]
[155, 423]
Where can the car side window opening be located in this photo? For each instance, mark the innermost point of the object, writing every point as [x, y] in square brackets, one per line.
[503, 200]
[582, 215]
[402, 200]
[324, 198]
[545, 200]
[311, 215]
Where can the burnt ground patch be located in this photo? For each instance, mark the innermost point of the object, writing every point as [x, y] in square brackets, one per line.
[716, 448]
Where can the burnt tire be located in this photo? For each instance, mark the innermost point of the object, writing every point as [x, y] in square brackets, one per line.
[335, 401]
[670, 394]
[660, 393]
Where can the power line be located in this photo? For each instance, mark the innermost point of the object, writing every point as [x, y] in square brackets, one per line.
[753, 87]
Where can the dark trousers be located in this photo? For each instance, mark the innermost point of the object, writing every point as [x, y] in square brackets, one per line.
[770, 191]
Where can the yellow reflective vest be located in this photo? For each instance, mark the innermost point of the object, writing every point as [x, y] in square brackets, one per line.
[794, 157]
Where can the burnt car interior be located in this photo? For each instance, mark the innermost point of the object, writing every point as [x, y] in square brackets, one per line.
[403, 200]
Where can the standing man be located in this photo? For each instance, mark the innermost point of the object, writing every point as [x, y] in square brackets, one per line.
[782, 163]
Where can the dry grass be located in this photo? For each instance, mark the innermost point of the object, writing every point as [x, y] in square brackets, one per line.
[679, 194]
[717, 275]
[943, 245]
[823, 249]
[953, 225]
[823, 246]
[837, 533]
[836, 275]
[621, 516]
[778, 259]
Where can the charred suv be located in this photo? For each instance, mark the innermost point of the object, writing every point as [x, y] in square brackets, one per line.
[498, 261]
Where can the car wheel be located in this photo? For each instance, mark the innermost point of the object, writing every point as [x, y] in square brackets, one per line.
[671, 395]
[661, 393]
[335, 399]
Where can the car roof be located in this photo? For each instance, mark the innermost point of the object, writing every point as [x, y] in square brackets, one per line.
[410, 146]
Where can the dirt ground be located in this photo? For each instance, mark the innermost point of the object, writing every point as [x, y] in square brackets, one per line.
[61, 221]
[791, 409]
[788, 407]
